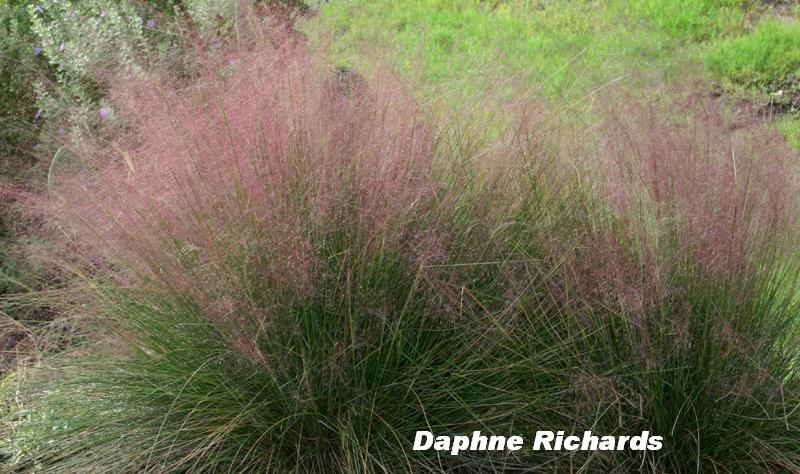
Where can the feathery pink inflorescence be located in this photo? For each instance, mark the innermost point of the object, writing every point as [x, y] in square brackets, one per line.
[685, 187]
[731, 191]
[243, 172]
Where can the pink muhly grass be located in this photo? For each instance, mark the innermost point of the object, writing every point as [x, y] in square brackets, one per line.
[223, 189]
[682, 188]
[731, 193]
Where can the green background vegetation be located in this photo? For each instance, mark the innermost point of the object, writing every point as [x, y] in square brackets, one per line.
[569, 49]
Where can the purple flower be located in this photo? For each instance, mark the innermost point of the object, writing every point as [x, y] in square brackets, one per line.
[38, 114]
[218, 44]
[37, 9]
[37, 50]
[73, 14]
[103, 113]
[103, 14]
[61, 131]
[61, 46]
[151, 23]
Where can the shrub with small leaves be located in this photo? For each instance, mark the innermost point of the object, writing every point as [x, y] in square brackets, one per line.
[82, 42]
[20, 63]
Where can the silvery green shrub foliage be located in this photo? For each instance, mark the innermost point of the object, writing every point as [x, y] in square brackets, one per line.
[59, 54]
[18, 67]
[82, 41]
[79, 36]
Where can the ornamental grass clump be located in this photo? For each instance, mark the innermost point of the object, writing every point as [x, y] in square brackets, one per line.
[273, 273]
[689, 271]
[225, 191]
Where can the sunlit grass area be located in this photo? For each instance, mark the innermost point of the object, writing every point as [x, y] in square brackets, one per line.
[562, 47]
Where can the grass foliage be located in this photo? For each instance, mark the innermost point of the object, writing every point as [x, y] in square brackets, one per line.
[770, 53]
[563, 48]
[791, 130]
[276, 265]
[302, 288]
[698, 20]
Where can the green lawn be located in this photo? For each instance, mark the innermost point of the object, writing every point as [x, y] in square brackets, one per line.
[565, 50]
[770, 53]
[561, 43]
